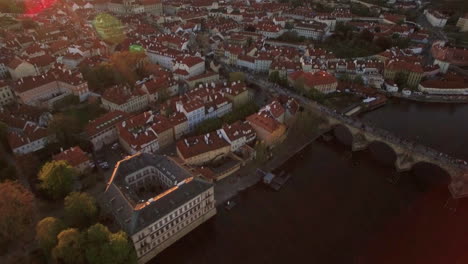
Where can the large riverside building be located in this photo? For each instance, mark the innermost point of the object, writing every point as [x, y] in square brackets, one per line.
[157, 201]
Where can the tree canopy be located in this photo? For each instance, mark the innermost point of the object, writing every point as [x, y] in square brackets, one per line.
[46, 233]
[103, 247]
[7, 170]
[17, 209]
[80, 209]
[239, 113]
[65, 128]
[236, 76]
[57, 178]
[3, 133]
[69, 249]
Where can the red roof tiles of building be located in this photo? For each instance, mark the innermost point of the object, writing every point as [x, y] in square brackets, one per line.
[15, 62]
[197, 145]
[104, 122]
[120, 95]
[30, 133]
[238, 129]
[402, 65]
[313, 79]
[74, 156]
[265, 121]
[177, 118]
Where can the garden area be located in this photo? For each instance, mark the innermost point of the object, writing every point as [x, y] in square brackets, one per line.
[347, 43]
[238, 113]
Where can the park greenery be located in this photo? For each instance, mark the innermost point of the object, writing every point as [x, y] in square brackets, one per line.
[17, 209]
[7, 170]
[94, 245]
[80, 209]
[123, 68]
[275, 77]
[66, 102]
[236, 76]
[3, 134]
[291, 37]
[68, 125]
[47, 231]
[80, 239]
[362, 10]
[57, 179]
[347, 43]
[238, 113]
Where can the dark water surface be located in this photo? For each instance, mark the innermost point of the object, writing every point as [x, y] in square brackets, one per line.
[339, 207]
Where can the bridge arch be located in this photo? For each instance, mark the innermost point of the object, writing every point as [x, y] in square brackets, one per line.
[343, 134]
[429, 175]
[382, 152]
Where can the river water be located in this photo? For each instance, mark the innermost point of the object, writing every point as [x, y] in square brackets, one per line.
[340, 207]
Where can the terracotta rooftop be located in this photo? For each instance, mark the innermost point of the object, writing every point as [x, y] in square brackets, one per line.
[74, 156]
[197, 145]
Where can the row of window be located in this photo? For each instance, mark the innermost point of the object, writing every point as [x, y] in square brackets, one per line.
[145, 247]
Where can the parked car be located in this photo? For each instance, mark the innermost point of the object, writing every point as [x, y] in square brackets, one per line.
[104, 165]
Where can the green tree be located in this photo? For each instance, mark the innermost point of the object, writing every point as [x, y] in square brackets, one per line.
[65, 128]
[46, 233]
[316, 95]
[17, 209]
[121, 249]
[261, 152]
[103, 247]
[57, 178]
[401, 79]
[383, 43]
[80, 209]
[69, 249]
[236, 76]
[96, 242]
[7, 171]
[163, 95]
[3, 134]
[249, 41]
[274, 77]
[209, 125]
[366, 35]
[358, 80]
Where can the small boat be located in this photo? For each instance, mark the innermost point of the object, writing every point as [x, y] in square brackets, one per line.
[229, 205]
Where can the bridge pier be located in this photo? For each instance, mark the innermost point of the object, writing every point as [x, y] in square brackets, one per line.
[408, 153]
[404, 162]
[459, 185]
[359, 142]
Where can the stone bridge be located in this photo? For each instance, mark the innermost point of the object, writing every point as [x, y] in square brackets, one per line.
[408, 153]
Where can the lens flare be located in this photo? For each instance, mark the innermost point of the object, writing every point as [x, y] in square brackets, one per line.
[109, 28]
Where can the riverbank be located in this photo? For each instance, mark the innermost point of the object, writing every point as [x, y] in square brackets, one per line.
[325, 213]
[298, 138]
[446, 99]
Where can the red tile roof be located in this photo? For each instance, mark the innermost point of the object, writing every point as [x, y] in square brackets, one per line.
[104, 122]
[74, 156]
[265, 121]
[197, 145]
[314, 79]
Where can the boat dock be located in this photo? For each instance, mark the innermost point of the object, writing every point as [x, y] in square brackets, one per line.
[274, 181]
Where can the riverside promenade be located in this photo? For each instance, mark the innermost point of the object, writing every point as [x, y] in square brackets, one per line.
[301, 135]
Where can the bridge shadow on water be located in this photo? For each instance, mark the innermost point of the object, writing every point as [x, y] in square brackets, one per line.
[424, 175]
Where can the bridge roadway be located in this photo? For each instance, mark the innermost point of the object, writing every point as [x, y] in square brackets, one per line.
[408, 152]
